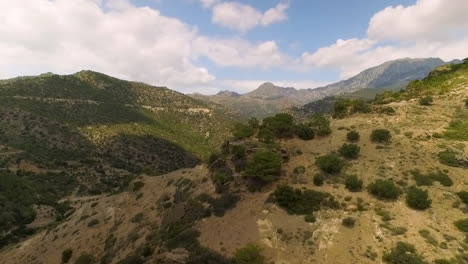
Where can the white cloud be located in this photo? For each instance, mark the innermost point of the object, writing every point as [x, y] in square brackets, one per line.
[65, 36]
[426, 20]
[239, 52]
[209, 3]
[429, 28]
[242, 17]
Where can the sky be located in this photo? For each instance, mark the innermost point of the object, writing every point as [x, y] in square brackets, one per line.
[206, 46]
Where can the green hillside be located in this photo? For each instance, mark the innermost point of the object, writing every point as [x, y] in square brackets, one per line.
[89, 133]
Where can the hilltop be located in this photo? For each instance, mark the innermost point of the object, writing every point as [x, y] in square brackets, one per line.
[269, 99]
[379, 183]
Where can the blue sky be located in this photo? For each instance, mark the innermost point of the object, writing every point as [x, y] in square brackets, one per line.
[211, 45]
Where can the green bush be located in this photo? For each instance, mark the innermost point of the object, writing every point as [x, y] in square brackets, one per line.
[353, 183]
[381, 135]
[305, 132]
[403, 253]
[250, 254]
[349, 222]
[384, 189]
[462, 225]
[318, 179]
[265, 166]
[418, 199]
[353, 136]
[321, 125]
[329, 163]
[426, 100]
[349, 151]
[66, 255]
[266, 135]
[282, 125]
[242, 131]
[427, 180]
[463, 196]
[449, 158]
[466, 102]
[298, 202]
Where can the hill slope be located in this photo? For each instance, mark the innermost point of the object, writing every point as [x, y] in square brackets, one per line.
[269, 99]
[183, 217]
[89, 133]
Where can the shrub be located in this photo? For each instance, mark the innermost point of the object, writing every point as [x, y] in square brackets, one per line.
[426, 100]
[381, 135]
[466, 102]
[321, 125]
[250, 254]
[449, 158]
[418, 199]
[349, 151]
[353, 136]
[266, 135]
[296, 201]
[93, 222]
[66, 255]
[349, 222]
[353, 183]
[310, 218]
[462, 225]
[282, 125]
[463, 196]
[427, 180]
[242, 131]
[132, 259]
[318, 179]
[305, 132]
[265, 166]
[329, 163]
[138, 185]
[403, 253]
[384, 189]
[85, 259]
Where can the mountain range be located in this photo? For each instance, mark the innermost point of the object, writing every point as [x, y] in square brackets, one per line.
[269, 99]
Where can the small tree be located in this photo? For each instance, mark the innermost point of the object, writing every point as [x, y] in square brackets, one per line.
[466, 102]
[353, 136]
[330, 163]
[384, 189]
[305, 132]
[418, 199]
[265, 166]
[426, 100]
[250, 254]
[353, 183]
[282, 125]
[463, 196]
[349, 151]
[381, 135]
[266, 135]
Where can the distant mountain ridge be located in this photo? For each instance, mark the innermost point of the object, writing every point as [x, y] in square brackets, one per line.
[268, 98]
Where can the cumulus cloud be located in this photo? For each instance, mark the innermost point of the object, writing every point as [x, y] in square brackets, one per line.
[117, 38]
[240, 53]
[427, 20]
[429, 28]
[242, 17]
